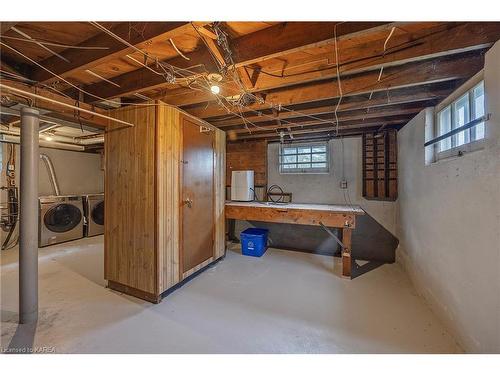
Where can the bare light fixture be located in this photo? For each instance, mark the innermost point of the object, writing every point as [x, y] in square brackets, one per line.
[48, 136]
[214, 79]
[215, 89]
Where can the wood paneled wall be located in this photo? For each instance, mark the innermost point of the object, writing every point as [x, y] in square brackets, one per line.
[247, 156]
[380, 168]
[220, 193]
[168, 149]
[130, 255]
[142, 199]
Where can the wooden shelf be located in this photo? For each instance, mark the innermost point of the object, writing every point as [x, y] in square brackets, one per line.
[380, 166]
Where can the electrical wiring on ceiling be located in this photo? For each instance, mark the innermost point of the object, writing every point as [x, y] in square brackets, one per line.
[39, 44]
[53, 44]
[338, 78]
[27, 80]
[68, 82]
[182, 73]
[178, 70]
[101, 77]
[177, 50]
[207, 88]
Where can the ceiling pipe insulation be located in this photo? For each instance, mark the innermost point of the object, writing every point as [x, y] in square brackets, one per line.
[8, 138]
[58, 140]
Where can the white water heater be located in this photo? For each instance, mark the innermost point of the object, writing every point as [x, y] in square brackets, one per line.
[242, 186]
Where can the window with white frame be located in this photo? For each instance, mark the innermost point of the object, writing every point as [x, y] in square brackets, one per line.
[304, 158]
[467, 108]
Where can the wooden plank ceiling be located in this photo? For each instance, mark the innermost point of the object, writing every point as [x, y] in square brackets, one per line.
[289, 80]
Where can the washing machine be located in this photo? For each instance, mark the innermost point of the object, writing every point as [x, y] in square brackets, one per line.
[93, 205]
[60, 219]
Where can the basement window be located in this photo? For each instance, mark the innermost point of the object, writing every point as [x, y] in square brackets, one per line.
[467, 112]
[304, 158]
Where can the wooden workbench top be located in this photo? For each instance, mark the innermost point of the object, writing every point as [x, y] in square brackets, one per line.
[338, 208]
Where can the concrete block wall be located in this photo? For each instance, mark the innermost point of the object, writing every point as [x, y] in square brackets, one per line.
[448, 224]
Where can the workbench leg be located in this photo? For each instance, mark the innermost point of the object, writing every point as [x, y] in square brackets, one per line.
[346, 252]
[231, 223]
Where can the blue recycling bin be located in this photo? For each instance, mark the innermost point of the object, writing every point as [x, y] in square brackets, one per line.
[254, 241]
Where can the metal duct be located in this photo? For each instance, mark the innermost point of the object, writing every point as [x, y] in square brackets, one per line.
[52, 174]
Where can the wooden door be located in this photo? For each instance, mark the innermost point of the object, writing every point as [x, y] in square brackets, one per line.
[197, 194]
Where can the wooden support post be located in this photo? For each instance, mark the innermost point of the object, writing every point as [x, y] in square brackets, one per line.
[346, 252]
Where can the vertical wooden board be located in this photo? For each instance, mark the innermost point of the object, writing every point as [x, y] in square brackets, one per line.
[220, 193]
[346, 252]
[130, 249]
[197, 186]
[168, 155]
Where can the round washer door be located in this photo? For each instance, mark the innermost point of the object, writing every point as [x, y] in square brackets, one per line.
[98, 213]
[62, 218]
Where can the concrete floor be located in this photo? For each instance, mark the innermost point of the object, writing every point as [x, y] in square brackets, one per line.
[284, 302]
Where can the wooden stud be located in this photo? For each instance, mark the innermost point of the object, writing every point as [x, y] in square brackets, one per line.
[346, 252]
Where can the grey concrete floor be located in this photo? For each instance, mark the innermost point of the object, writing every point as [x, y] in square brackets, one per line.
[284, 302]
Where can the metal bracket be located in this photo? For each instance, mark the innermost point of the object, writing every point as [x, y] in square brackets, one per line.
[332, 235]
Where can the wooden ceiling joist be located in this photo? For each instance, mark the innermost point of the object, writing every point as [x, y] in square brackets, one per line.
[408, 75]
[368, 57]
[323, 134]
[252, 44]
[91, 58]
[424, 93]
[396, 120]
[6, 26]
[371, 74]
[359, 115]
[63, 112]
[353, 57]
[290, 37]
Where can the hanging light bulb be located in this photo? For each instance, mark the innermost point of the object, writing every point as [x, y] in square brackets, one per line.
[215, 89]
[214, 79]
[48, 138]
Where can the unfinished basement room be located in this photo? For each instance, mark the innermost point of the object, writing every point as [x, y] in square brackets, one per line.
[272, 185]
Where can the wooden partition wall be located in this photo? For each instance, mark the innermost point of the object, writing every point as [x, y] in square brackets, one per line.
[144, 202]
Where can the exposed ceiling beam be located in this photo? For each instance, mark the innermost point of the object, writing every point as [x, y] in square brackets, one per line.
[405, 48]
[394, 97]
[8, 68]
[375, 123]
[211, 44]
[408, 75]
[322, 135]
[143, 80]
[359, 58]
[91, 58]
[290, 37]
[355, 55]
[63, 113]
[354, 116]
[6, 26]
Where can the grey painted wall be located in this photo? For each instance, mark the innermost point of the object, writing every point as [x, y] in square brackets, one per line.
[77, 172]
[325, 188]
[449, 225]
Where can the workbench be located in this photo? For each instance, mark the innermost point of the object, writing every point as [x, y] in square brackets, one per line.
[325, 215]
